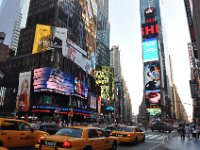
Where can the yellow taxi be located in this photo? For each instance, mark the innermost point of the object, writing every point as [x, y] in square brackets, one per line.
[18, 134]
[78, 138]
[129, 134]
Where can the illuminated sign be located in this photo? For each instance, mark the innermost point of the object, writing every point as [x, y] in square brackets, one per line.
[53, 80]
[150, 29]
[150, 50]
[154, 111]
[152, 76]
[152, 99]
[105, 79]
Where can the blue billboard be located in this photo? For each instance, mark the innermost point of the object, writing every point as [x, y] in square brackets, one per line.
[150, 50]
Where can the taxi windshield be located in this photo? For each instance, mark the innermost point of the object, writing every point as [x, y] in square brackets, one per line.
[125, 129]
[72, 132]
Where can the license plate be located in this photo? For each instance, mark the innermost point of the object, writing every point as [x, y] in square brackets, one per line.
[50, 143]
[120, 135]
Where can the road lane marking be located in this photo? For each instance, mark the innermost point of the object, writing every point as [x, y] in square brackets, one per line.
[148, 136]
[153, 137]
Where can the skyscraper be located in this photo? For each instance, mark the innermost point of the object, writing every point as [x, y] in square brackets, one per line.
[78, 16]
[115, 62]
[155, 74]
[10, 17]
[103, 34]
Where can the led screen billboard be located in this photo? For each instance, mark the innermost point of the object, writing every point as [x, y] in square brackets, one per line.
[152, 76]
[154, 111]
[53, 80]
[150, 49]
[105, 79]
[152, 99]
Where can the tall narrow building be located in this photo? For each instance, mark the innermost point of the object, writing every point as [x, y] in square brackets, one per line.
[155, 74]
[103, 34]
[10, 16]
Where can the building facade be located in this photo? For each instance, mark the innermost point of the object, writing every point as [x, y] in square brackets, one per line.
[155, 70]
[40, 80]
[103, 34]
[192, 8]
[79, 17]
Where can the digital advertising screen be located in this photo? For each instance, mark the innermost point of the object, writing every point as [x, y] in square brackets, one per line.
[150, 50]
[152, 76]
[53, 80]
[152, 99]
[105, 79]
[154, 111]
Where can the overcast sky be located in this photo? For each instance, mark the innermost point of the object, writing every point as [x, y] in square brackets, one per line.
[126, 32]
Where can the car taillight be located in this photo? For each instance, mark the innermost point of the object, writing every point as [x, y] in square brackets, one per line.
[39, 141]
[67, 144]
[129, 135]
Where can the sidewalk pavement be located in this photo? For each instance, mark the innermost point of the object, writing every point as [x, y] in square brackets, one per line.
[179, 144]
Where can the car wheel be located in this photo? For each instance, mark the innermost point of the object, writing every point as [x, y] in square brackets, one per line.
[87, 148]
[136, 140]
[143, 139]
[114, 145]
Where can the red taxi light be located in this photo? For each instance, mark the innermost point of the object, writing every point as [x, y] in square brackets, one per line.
[67, 144]
[39, 141]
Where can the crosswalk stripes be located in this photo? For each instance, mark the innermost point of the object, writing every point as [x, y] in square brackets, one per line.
[154, 137]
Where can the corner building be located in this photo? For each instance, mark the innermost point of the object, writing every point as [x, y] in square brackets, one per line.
[56, 86]
[155, 74]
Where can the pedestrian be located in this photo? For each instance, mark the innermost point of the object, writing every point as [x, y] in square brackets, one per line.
[188, 131]
[182, 131]
[194, 132]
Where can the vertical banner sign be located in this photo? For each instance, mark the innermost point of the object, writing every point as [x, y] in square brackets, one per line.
[23, 94]
[99, 104]
[60, 39]
[43, 38]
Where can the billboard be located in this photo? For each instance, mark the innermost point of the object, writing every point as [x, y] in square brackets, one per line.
[23, 100]
[152, 99]
[53, 80]
[60, 39]
[93, 102]
[150, 29]
[154, 111]
[150, 49]
[43, 38]
[105, 79]
[152, 76]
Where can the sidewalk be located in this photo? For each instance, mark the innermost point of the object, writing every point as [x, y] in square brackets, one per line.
[178, 144]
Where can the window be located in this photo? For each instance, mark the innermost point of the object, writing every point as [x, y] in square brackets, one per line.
[9, 125]
[101, 133]
[92, 133]
[23, 126]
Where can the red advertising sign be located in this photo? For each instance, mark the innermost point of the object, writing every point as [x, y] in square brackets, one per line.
[150, 29]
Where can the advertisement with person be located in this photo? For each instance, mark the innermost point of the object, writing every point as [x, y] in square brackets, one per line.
[152, 99]
[152, 76]
[150, 50]
[43, 38]
[60, 39]
[53, 80]
[23, 101]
